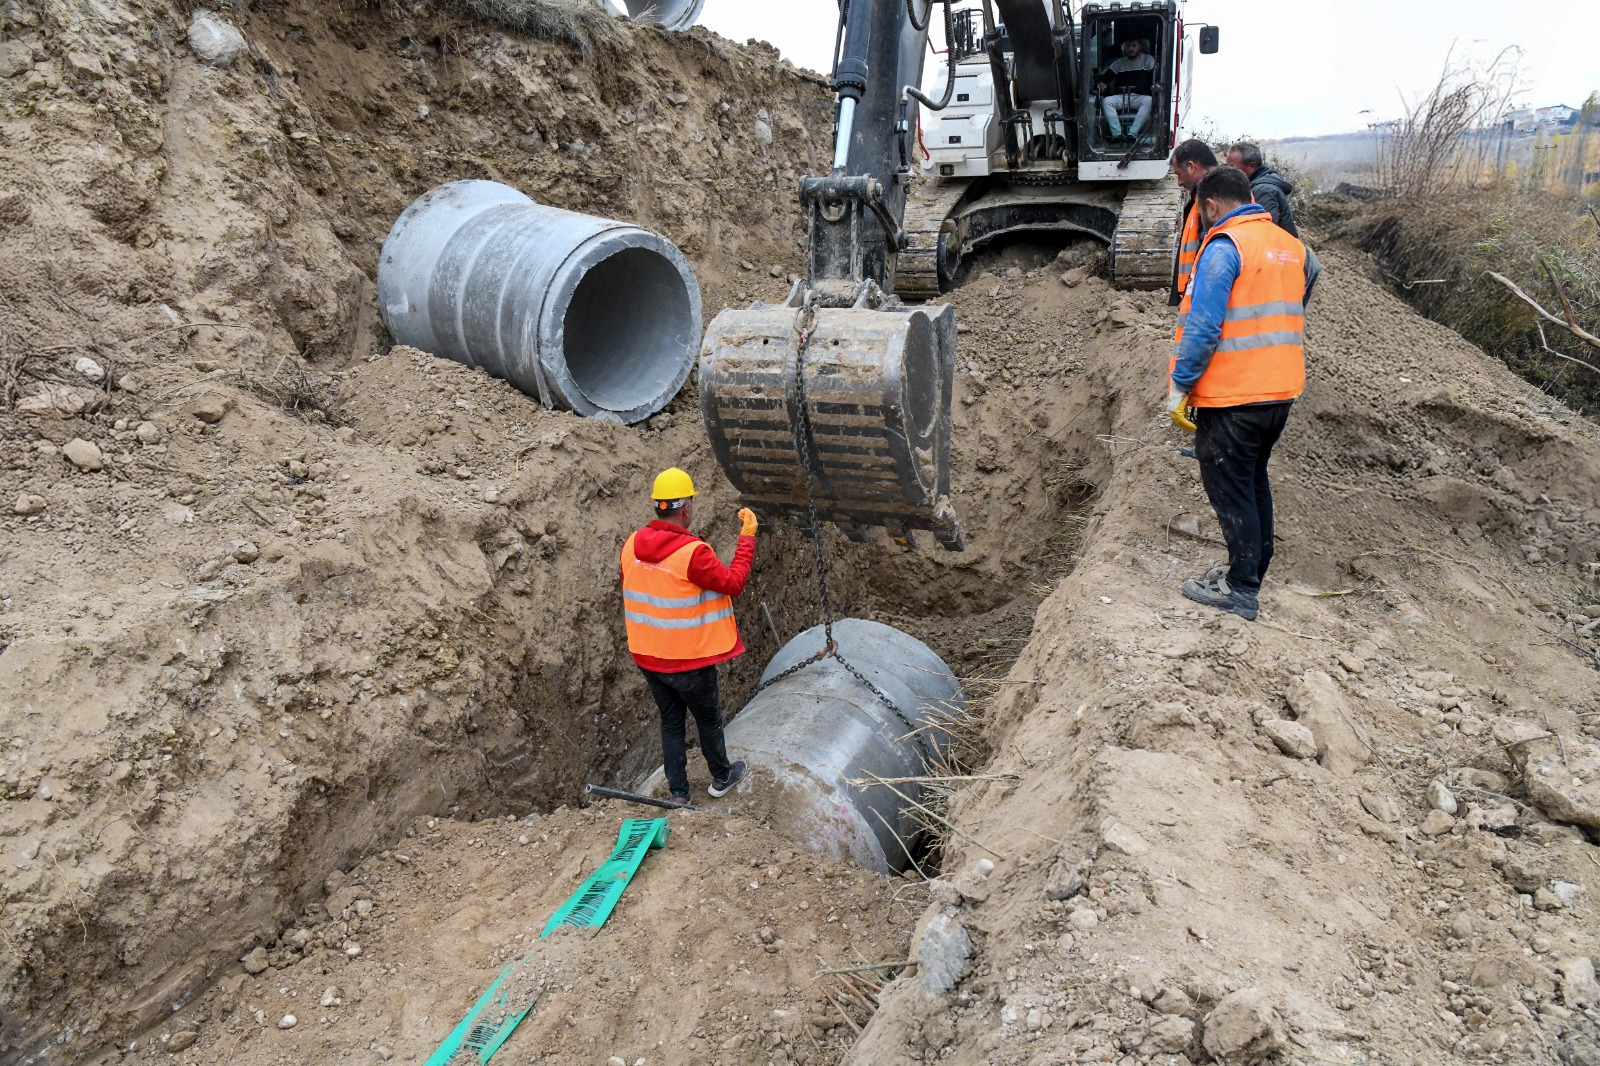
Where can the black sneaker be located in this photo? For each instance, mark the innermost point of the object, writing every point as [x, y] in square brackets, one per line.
[1214, 590]
[676, 800]
[735, 775]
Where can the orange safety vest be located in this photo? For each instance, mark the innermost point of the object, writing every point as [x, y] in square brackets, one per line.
[1260, 356]
[670, 617]
[1188, 247]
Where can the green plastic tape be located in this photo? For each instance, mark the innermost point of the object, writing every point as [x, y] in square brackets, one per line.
[490, 1022]
[592, 904]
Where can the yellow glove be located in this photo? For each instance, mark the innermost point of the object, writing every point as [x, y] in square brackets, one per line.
[1178, 409]
[748, 517]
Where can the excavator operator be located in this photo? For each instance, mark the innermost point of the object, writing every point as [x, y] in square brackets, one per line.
[678, 607]
[1127, 83]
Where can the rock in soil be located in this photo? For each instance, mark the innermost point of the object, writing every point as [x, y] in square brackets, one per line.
[1292, 738]
[1380, 806]
[83, 455]
[1124, 841]
[1579, 988]
[215, 40]
[1319, 705]
[1244, 1028]
[1562, 776]
[211, 408]
[1437, 823]
[1169, 1036]
[942, 954]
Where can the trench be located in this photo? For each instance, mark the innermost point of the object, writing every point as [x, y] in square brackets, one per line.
[1028, 507]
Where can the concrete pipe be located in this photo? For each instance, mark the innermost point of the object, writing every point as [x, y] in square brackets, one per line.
[673, 14]
[587, 314]
[819, 730]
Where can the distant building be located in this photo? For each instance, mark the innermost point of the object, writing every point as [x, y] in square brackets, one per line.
[1524, 119]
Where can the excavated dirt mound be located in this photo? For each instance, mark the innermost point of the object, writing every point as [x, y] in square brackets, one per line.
[1181, 874]
[308, 644]
[272, 590]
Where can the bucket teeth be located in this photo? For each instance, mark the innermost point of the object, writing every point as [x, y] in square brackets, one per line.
[877, 390]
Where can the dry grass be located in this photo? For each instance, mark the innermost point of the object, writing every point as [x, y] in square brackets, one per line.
[290, 387]
[1449, 220]
[576, 22]
[1453, 240]
[1430, 148]
[23, 368]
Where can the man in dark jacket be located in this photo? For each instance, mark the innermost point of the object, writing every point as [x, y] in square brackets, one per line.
[1271, 189]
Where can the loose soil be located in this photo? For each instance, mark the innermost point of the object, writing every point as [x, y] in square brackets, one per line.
[301, 686]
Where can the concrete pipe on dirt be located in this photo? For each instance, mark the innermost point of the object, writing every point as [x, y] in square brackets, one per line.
[586, 314]
[821, 735]
[673, 14]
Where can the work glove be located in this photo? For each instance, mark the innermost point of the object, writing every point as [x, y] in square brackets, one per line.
[748, 517]
[1178, 409]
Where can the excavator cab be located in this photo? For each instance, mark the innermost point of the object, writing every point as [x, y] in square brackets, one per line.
[1128, 99]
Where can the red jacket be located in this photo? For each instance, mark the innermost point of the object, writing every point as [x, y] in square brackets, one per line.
[658, 540]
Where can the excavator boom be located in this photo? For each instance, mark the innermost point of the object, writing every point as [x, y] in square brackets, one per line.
[835, 405]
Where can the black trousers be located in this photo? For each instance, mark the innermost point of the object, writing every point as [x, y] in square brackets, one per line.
[1233, 445]
[693, 692]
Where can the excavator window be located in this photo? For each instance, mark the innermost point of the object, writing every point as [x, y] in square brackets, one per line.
[1124, 61]
[968, 36]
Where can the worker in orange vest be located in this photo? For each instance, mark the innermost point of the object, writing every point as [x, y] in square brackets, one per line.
[1191, 161]
[678, 606]
[1238, 360]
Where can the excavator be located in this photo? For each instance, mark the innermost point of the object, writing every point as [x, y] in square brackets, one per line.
[835, 405]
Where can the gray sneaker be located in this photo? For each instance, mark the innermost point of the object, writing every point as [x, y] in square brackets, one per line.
[735, 775]
[1214, 590]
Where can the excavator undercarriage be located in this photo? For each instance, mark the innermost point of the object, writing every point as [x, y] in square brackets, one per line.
[953, 218]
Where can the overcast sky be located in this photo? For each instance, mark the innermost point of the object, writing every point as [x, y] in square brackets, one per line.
[1299, 68]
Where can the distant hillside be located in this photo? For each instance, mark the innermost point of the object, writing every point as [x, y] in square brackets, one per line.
[1556, 156]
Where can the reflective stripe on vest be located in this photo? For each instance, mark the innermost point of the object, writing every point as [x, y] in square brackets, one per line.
[1260, 356]
[667, 615]
[1188, 248]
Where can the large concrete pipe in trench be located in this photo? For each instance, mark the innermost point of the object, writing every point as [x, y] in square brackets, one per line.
[584, 313]
[673, 14]
[819, 731]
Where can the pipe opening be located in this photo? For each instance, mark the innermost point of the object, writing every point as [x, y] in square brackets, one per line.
[629, 327]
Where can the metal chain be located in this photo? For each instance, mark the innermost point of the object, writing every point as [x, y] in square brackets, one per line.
[804, 443]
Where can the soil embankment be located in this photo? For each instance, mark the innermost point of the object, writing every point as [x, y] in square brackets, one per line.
[308, 645]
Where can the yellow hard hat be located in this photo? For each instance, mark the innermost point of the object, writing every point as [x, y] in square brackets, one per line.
[673, 484]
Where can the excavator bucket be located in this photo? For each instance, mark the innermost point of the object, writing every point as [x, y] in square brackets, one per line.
[876, 388]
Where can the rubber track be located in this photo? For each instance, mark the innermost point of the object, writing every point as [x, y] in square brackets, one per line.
[1145, 246]
[916, 276]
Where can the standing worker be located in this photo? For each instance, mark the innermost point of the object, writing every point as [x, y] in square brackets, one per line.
[1270, 189]
[1239, 362]
[678, 606]
[1191, 161]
